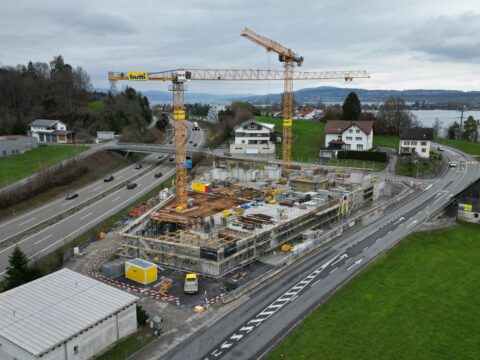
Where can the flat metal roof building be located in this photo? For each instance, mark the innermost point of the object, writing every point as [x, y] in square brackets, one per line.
[64, 315]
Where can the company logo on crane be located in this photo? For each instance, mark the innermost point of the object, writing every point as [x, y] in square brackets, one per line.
[138, 75]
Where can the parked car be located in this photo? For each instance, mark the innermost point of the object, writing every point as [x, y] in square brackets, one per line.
[452, 164]
[440, 148]
[191, 284]
[158, 175]
[108, 178]
[131, 185]
[71, 196]
[138, 166]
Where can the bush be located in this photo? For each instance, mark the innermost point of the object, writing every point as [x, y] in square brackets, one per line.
[363, 155]
[142, 316]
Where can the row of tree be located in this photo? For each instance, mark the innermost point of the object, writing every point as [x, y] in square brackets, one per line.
[469, 131]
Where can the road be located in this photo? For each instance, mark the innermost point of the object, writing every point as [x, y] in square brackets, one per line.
[59, 233]
[254, 327]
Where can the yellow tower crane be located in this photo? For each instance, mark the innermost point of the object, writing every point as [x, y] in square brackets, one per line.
[290, 60]
[179, 77]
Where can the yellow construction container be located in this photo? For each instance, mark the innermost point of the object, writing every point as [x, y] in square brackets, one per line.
[141, 271]
[200, 186]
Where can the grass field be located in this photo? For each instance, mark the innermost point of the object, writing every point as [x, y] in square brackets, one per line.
[418, 301]
[353, 163]
[95, 106]
[308, 138]
[389, 141]
[16, 167]
[462, 145]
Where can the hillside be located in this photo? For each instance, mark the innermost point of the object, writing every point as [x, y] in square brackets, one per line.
[59, 91]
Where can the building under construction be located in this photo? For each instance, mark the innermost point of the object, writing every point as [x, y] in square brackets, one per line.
[238, 212]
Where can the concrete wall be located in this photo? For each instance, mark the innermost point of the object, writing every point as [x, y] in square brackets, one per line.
[91, 342]
[416, 146]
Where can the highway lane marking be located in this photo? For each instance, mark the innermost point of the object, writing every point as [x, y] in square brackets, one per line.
[116, 198]
[316, 282]
[23, 223]
[412, 223]
[428, 187]
[119, 177]
[83, 217]
[343, 256]
[331, 272]
[97, 188]
[365, 248]
[39, 241]
[355, 263]
[288, 296]
[145, 189]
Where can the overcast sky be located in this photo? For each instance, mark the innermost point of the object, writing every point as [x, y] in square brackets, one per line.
[403, 44]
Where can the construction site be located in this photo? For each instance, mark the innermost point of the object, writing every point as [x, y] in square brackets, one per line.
[238, 212]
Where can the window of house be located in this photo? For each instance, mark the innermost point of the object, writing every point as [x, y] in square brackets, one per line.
[347, 146]
[358, 138]
[423, 143]
[406, 142]
[4, 152]
[414, 143]
[350, 131]
[349, 138]
[424, 150]
[243, 141]
[75, 349]
[42, 137]
[359, 147]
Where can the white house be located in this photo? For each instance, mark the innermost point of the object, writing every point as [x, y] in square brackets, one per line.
[349, 135]
[307, 113]
[252, 137]
[51, 131]
[64, 316]
[415, 142]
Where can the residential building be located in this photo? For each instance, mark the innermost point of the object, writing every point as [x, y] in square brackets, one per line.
[307, 113]
[416, 142]
[349, 135]
[16, 144]
[64, 315]
[252, 137]
[51, 131]
[212, 115]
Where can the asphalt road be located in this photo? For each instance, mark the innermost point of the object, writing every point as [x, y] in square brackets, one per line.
[253, 328]
[58, 234]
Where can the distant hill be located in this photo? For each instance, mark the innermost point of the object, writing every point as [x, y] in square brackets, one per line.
[329, 94]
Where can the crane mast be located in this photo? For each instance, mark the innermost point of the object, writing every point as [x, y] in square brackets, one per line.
[289, 59]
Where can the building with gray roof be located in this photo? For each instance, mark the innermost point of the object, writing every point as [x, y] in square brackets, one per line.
[64, 315]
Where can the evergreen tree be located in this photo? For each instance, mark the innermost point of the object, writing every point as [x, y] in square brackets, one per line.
[18, 271]
[351, 108]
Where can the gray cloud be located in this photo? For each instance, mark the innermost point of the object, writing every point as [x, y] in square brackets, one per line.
[447, 38]
[400, 45]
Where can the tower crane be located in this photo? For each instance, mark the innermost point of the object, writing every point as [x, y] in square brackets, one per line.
[179, 77]
[290, 60]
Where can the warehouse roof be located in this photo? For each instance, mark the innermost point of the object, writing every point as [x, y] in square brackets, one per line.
[44, 313]
[45, 122]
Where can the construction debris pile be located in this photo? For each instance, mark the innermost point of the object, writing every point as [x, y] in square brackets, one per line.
[237, 213]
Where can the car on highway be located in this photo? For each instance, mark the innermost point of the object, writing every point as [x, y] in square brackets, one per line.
[195, 144]
[190, 141]
[171, 158]
[170, 142]
[440, 148]
[138, 166]
[452, 164]
[131, 185]
[160, 156]
[108, 178]
[71, 196]
[158, 175]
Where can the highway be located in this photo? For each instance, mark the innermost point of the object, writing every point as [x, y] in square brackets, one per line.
[74, 224]
[254, 327]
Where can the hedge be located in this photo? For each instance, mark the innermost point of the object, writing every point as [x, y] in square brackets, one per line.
[379, 156]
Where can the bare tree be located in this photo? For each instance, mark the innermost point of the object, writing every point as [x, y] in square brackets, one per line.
[437, 127]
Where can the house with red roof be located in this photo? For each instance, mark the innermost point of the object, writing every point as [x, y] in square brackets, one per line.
[349, 135]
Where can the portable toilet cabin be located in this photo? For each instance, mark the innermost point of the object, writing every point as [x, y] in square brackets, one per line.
[141, 271]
